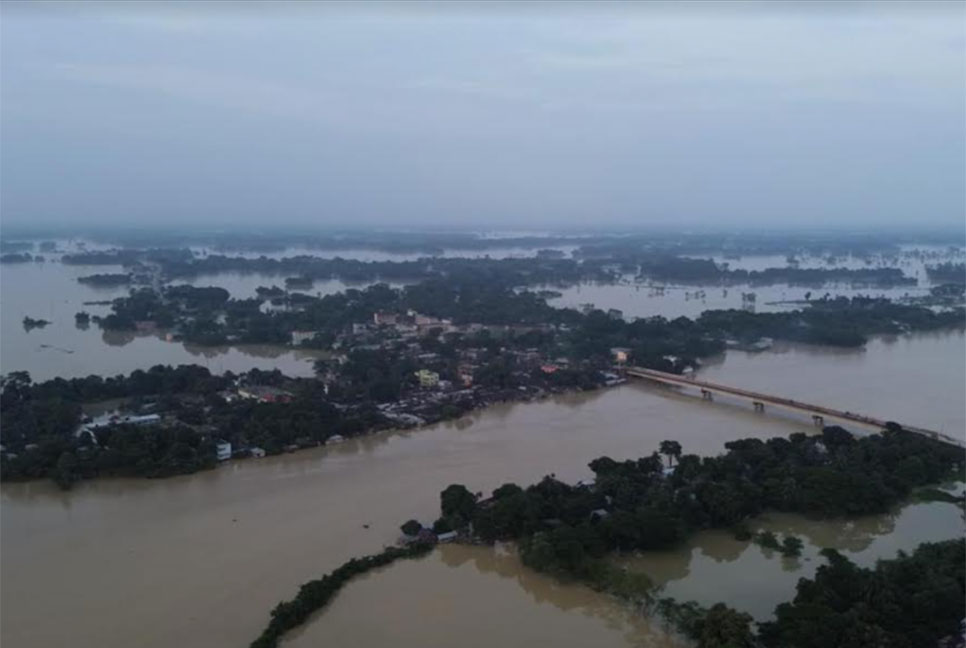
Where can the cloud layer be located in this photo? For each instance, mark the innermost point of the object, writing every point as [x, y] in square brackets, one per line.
[484, 114]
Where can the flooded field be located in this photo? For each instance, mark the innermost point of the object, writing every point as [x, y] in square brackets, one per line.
[50, 291]
[670, 301]
[476, 597]
[714, 567]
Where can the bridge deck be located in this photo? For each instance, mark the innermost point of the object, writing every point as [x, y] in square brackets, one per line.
[787, 403]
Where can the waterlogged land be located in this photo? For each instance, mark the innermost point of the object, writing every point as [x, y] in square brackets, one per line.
[51, 291]
[477, 597]
[62, 349]
[209, 544]
[635, 299]
[713, 566]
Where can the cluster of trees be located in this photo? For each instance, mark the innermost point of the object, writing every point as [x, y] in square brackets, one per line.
[309, 419]
[39, 422]
[837, 322]
[197, 310]
[947, 272]
[790, 546]
[127, 257]
[380, 366]
[409, 242]
[688, 270]
[31, 323]
[15, 246]
[607, 264]
[19, 257]
[503, 272]
[208, 316]
[120, 450]
[315, 594]
[671, 345]
[913, 600]
[634, 505]
[115, 279]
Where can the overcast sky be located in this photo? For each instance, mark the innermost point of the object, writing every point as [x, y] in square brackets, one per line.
[346, 115]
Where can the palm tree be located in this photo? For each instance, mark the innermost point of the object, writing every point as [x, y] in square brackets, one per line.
[672, 449]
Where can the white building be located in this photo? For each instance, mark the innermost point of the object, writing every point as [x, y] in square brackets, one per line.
[298, 337]
[621, 354]
[223, 450]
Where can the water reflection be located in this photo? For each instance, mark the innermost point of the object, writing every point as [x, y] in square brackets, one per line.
[117, 338]
[235, 540]
[68, 349]
[475, 596]
[713, 566]
[670, 301]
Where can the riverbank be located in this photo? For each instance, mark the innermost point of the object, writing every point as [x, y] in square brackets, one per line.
[782, 371]
[459, 507]
[214, 537]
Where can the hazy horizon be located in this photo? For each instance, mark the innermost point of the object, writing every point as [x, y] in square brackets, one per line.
[536, 116]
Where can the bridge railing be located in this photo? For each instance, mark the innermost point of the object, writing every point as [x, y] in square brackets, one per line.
[675, 379]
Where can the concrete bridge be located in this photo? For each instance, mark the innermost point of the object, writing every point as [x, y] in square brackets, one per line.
[760, 400]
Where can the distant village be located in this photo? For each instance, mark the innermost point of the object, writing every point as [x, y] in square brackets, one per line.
[441, 384]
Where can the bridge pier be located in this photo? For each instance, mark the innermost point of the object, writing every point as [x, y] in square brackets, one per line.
[759, 400]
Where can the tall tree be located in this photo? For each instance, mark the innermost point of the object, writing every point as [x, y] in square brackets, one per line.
[671, 449]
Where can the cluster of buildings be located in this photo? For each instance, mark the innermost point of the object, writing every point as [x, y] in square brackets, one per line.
[90, 425]
[260, 393]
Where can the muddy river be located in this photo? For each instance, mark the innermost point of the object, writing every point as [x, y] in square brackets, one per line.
[200, 560]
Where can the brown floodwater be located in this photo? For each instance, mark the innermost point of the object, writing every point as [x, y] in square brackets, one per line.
[713, 566]
[200, 560]
[475, 597]
[651, 298]
[643, 300]
[50, 291]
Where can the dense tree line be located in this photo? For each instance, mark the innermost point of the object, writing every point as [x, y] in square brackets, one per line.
[606, 262]
[954, 273]
[906, 602]
[18, 257]
[113, 279]
[315, 594]
[634, 505]
[208, 316]
[127, 257]
[912, 600]
[857, 244]
[838, 322]
[118, 450]
[39, 422]
[689, 270]
[15, 246]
